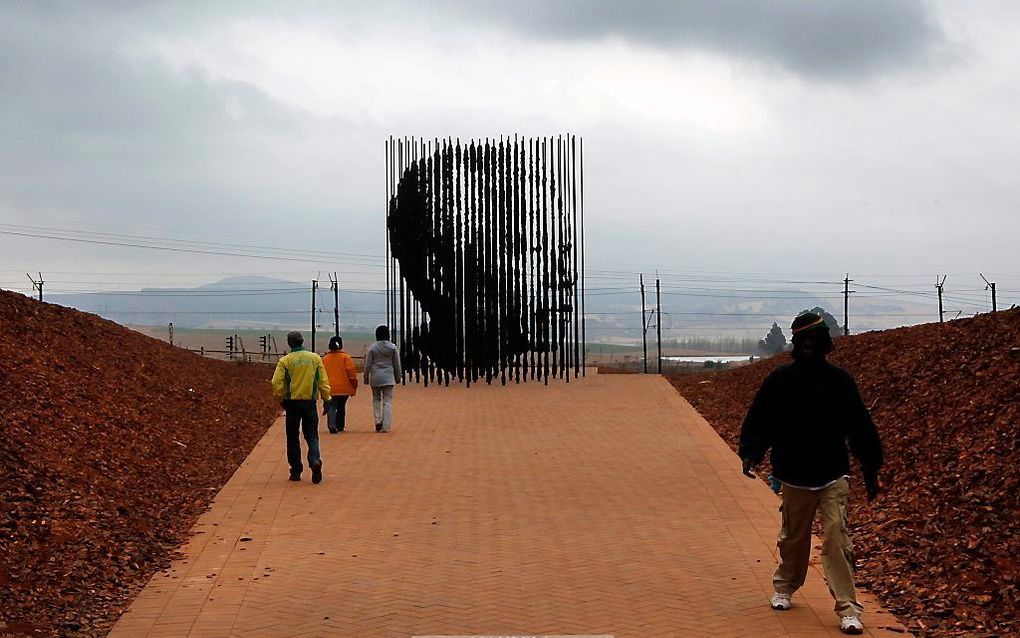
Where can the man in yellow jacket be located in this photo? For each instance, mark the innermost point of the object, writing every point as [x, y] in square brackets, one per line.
[299, 376]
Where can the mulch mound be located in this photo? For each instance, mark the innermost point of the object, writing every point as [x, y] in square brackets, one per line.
[112, 444]
[941, 547]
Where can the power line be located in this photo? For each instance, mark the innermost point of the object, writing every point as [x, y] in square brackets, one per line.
[218, 273]
[150, 243]
[223, 312]
[187, 242]
[183, 293]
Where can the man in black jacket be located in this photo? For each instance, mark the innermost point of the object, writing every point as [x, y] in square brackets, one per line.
[806, 412]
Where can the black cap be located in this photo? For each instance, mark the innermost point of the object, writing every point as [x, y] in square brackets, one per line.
[335, 343]
[808, 321]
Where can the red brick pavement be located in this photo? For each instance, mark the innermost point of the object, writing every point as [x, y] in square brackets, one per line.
[602, 507]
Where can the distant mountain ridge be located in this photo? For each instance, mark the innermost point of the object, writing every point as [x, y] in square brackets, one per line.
[234, 302]
[254, 301]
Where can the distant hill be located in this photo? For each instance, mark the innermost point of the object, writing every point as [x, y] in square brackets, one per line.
[258, 302]
[235, 302]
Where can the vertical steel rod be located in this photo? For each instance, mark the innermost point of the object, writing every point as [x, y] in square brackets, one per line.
[584, 319]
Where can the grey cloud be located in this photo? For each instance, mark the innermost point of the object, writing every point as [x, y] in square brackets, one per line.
[828, 40]
[98, 133]
[835, 40]
[111, 137]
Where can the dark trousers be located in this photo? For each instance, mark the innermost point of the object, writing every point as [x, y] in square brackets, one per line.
[302, 417]
[336, 413]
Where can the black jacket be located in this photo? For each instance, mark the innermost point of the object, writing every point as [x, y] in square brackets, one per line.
[806, 413]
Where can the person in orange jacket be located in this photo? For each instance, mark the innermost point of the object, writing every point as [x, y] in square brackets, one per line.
[343, 381]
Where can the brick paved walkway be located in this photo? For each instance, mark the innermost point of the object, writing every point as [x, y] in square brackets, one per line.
[602, 507]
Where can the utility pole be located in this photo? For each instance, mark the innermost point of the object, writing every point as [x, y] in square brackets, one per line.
[846, 305]
[938, 286]
[644, 326]
[170, 328]
[658, 325]
[36, 285]
[334, 283]
[315, 284]
[988, 284]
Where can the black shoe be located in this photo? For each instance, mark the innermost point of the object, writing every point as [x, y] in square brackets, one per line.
[333, 431]
[317, 473]
[295, 476]
[378, 427]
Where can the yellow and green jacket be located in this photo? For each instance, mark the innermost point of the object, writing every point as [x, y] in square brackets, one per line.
[298, 375]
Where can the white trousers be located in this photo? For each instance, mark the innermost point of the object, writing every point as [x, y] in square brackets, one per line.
[382, 405]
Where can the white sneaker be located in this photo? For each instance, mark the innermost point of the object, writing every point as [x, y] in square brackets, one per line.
[780, 601]
[851, 625]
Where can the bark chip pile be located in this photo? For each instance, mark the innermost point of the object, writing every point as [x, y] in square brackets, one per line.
[941, 547]
[111, 445]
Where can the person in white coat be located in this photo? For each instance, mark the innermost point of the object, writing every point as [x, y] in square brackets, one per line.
[382, 369]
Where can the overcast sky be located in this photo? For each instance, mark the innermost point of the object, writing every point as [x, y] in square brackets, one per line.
[751, 138]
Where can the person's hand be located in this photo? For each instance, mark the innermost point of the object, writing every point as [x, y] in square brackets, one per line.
[748, 466]
[873, 488]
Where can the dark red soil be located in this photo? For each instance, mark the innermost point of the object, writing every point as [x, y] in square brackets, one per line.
[112, 444]
[941, 547]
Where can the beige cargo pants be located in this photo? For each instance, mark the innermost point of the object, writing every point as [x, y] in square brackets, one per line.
[799, 508]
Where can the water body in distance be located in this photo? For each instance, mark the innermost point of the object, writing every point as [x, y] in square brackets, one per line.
[723, 359]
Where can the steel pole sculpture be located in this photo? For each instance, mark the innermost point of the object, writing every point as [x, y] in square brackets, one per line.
[485, 258]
